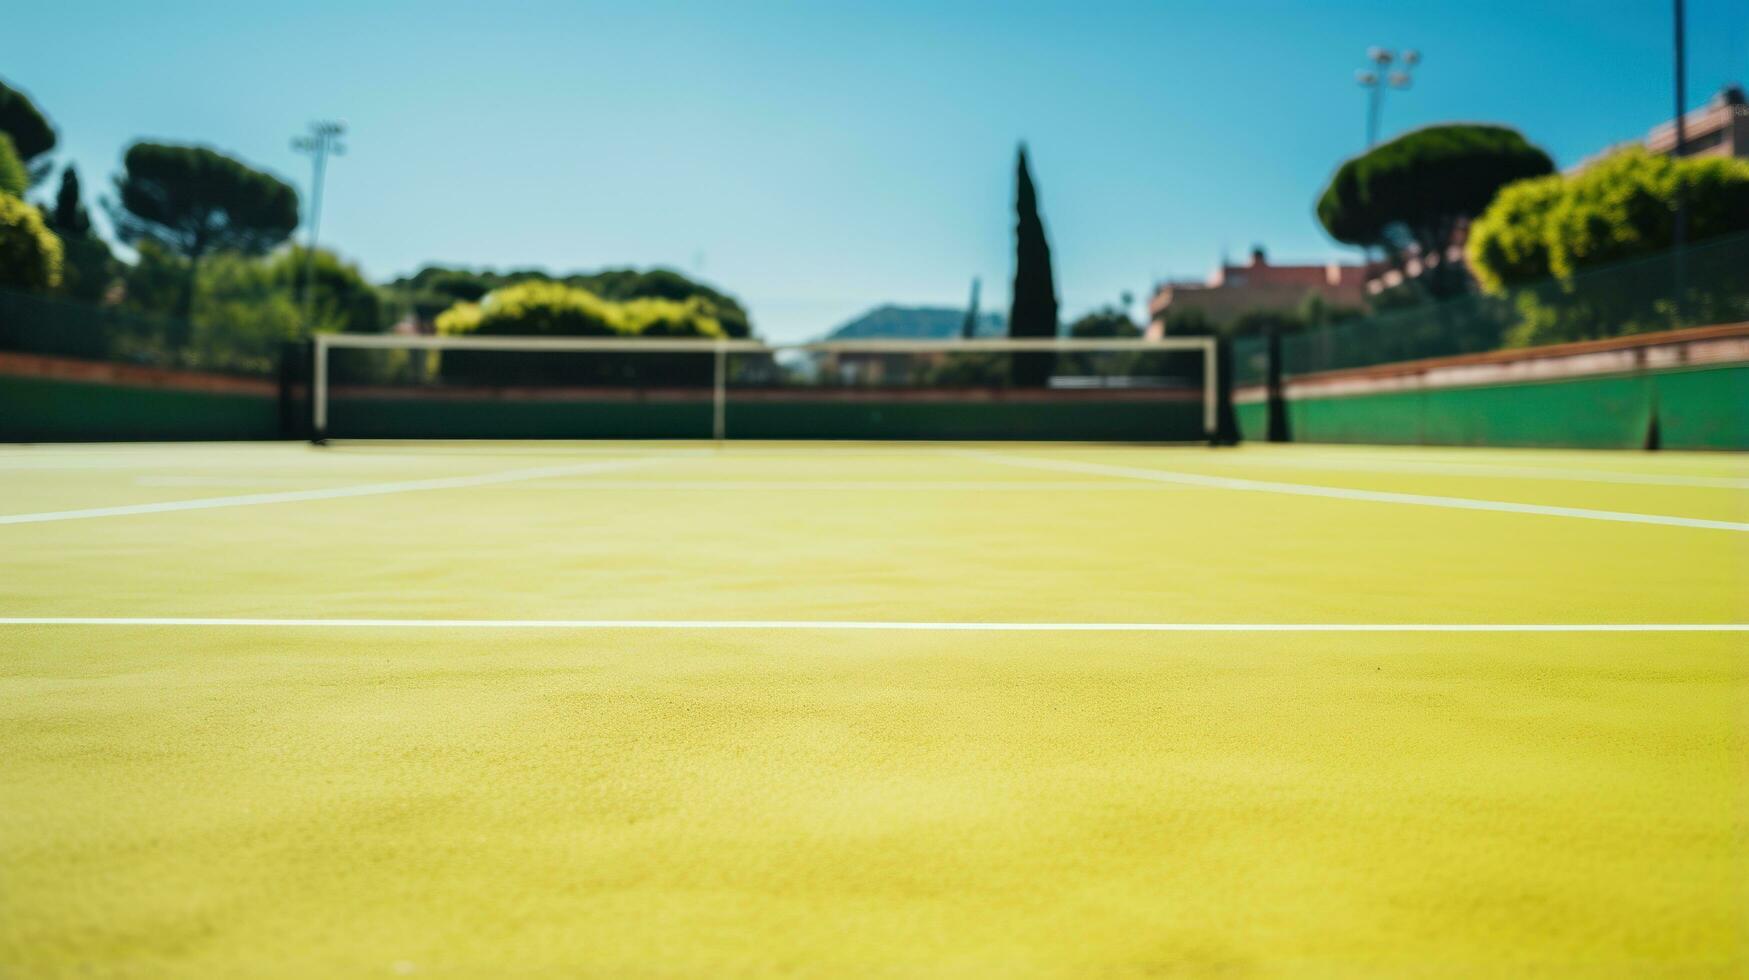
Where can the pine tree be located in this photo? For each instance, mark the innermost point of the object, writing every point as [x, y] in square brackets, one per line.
[1034, 309]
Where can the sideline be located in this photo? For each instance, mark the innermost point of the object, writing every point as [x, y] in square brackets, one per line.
[1341, 493]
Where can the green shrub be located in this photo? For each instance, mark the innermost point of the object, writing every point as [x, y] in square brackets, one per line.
[1508, 243]
[692, 317]
[1621, 208]
[542, 308]
[14, 178]
[547, 309]
[30, 254]
[244, 310]
[459, 320]
[343, 299]
[1587, 255]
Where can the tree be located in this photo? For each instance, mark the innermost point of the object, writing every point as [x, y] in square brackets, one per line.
[1109, 322]
[1508, 242]
[14, 178]
[245, 310]
[30, 254]
[628, 284]
[544, 308]
[1316, 311]
[434, 289]
[193, 201]
[69, 216]
[1106, 323]
[1188, 322]
[89, 265]
[342, 300]
[1033, 312]
[32, 135]
[1620, 208]
[1413, 195]
[1263, 323]
[969, 326]
[1588, 255]
[154, 282]
[691, 317]
[541, 309]
[341, 297]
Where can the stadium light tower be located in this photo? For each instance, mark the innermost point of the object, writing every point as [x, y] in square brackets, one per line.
[323, 139]
[1380, 77]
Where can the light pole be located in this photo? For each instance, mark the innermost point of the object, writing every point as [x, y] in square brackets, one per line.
[1679, 228]
[1379, 77]
[323, 139]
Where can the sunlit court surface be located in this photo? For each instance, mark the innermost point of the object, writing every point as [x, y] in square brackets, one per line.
[461, 709]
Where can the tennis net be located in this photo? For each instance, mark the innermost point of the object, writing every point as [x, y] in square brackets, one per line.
[401, 386]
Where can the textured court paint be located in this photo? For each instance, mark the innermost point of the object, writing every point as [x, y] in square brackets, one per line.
[54, 410]
[212, 804]
[329, 802]
[1697, 408]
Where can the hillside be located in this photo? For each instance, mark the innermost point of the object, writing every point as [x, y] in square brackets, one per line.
[915, 322]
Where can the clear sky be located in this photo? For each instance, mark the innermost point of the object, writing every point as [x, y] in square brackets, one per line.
[820, 158]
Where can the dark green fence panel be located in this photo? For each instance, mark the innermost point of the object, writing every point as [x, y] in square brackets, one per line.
[1697, 408]
[55, 410]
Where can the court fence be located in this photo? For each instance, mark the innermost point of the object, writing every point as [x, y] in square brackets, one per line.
[1702, 285]
[32, 323]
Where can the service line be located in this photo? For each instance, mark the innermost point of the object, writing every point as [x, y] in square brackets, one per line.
[330, 493]
[855, 624]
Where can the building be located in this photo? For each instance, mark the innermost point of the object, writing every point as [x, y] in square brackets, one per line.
[1235, 289]
[1718, 129]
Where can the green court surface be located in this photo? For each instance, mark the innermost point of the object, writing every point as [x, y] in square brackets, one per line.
[822, 709]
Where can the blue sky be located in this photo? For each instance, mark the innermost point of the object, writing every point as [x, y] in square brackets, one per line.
[820, 158]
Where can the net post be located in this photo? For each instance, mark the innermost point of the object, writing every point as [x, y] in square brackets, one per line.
[319, 390]
[1211, 421]
[720, 392]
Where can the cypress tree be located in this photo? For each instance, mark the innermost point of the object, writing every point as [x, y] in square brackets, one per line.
[1034, 310]
[969, 328]
[87, 267]
[69, 218]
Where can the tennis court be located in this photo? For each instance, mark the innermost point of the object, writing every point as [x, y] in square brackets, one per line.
[460, 708]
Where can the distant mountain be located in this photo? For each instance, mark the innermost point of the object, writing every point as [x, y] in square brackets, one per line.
[916, 323]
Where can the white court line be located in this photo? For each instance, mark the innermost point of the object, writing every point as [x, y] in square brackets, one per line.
[1344, 493]
[851, 624]
[232, 481]
[558, 483]
[330, 493]
[1490, 470]
[882, 486]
